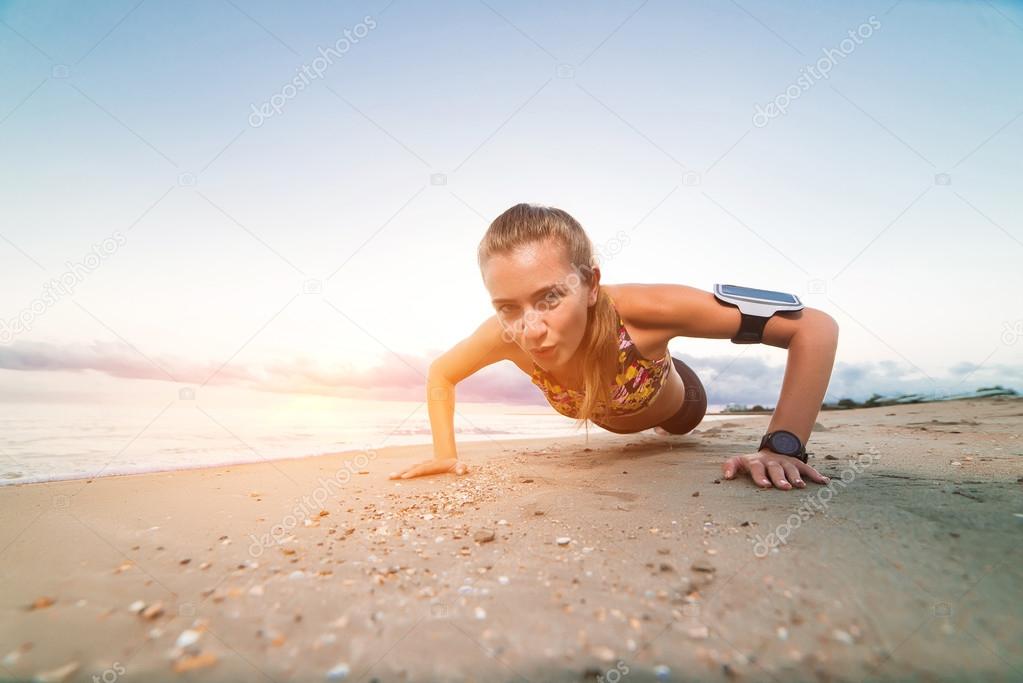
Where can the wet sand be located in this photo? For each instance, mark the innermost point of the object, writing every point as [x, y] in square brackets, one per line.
[553, 560]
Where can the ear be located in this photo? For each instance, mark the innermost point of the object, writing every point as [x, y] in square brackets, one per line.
[594, 287]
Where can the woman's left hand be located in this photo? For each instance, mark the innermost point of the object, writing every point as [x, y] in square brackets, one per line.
[767, 467]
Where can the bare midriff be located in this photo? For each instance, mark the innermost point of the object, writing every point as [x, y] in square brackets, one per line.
[667, 402]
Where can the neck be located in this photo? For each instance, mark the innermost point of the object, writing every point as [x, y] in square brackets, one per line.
[569, 374]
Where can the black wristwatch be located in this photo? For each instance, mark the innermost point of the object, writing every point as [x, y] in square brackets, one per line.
[785, 443]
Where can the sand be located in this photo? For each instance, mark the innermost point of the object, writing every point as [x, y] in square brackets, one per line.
[628, 559]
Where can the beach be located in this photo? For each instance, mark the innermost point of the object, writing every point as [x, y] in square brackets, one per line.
[612, 557]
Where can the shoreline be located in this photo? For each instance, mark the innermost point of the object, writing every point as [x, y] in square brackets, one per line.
[428, 442]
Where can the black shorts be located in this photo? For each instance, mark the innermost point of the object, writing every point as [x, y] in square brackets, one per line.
[694, 404]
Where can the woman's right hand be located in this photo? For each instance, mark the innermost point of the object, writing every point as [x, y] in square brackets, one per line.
[432, 466]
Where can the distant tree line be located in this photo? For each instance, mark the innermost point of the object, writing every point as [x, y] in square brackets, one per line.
[877, 400]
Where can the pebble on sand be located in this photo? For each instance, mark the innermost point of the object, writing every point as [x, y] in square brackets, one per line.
[193, 662]
[703, 565]
[57, 675]
[153, 611]
[188, 638]
[563, 540]
[338, 672]
[42, 603]
[14, 655]
[842, 636]
[484, 536]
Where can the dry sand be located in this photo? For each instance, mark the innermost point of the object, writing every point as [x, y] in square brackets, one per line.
[629, 560]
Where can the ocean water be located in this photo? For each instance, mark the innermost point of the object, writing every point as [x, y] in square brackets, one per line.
[46, 441]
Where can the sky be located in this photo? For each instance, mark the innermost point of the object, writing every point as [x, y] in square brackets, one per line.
[177, 212]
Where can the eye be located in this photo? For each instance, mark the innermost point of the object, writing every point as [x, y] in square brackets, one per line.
[554, 294]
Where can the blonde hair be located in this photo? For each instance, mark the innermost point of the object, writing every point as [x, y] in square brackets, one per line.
[526, 224]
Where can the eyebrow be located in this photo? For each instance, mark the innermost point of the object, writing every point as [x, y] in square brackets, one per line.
[539, 291]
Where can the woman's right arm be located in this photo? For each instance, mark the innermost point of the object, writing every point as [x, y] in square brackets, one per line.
[483, 347]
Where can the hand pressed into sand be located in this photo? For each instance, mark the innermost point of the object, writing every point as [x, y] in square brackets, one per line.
[784, 471]
[432, 466]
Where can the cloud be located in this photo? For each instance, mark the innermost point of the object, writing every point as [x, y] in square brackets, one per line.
[752, 380]
[395, 377]
[402, 377]
[889, 378]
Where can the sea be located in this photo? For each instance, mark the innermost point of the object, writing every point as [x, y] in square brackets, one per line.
[74, 439]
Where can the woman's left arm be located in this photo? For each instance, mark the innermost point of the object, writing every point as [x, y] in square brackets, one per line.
[810, 335]
[811, 340]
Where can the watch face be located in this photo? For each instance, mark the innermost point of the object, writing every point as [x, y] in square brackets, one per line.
[785, 443]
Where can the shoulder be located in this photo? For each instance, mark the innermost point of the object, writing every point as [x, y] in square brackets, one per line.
[673, 310]
[651, 306]
[670, 310]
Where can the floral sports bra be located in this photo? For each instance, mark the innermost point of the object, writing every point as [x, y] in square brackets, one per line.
[637, 381]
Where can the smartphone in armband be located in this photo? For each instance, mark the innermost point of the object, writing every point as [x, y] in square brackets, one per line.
[756, 307]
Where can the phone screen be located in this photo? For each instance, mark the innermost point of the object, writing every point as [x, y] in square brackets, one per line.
[780, 297]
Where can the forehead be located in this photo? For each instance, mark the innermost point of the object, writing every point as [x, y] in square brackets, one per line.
[518, 273]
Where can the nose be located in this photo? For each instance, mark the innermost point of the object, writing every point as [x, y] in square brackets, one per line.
[534, 327]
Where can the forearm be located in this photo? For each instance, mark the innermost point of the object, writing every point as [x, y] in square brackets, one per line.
[440, 401]
[811, 357]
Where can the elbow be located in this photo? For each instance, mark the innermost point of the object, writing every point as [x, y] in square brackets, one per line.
[828, 326]
[433, 373]
[439, 389]
[834, 328]
[820, 329]
[828, 330]
[436, 375]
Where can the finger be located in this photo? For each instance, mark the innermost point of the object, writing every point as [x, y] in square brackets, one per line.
[416, 471]
[756, 470]
[813, 474]
[777, 473]
[729, 466]
[792, 474]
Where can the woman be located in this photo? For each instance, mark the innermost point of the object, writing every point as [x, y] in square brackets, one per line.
[588, 346]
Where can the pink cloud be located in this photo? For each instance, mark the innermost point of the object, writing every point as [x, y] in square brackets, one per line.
[394, 377]
[390, 378]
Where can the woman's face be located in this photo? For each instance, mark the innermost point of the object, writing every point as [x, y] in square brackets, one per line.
[541, 301]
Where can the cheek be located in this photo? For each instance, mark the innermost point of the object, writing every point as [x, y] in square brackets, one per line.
[571, 324]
